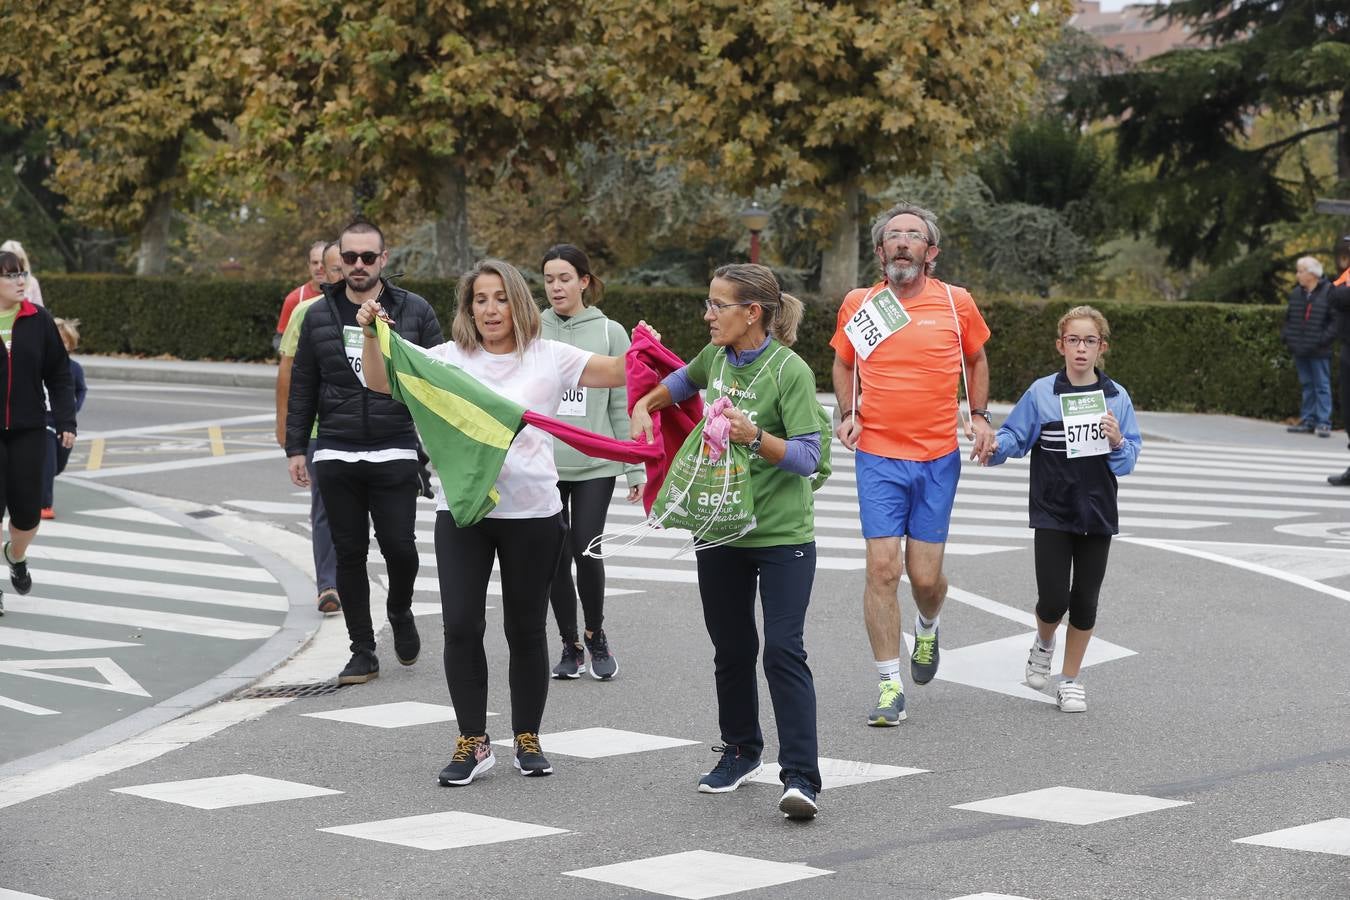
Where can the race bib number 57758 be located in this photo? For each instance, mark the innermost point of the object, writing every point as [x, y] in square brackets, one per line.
[1083, 433]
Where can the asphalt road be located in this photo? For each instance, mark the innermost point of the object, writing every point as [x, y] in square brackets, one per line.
[1217, 722]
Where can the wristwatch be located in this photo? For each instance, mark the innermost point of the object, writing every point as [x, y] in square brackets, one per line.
[983, 414]
[759, 439]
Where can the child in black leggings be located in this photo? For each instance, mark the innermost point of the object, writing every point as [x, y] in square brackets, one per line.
[1080, 429]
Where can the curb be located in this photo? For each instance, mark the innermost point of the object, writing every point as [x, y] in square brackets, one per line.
[223, 374]
[297, 630]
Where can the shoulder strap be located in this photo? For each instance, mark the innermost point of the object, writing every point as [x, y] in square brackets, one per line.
[961, 352]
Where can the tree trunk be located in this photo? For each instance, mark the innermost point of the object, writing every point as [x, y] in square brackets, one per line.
[839, 261]
[1343, 141]
[152, 256]
[454, 255]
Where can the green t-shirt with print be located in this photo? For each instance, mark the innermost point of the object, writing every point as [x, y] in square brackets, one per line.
[777, 391]
[7, 318]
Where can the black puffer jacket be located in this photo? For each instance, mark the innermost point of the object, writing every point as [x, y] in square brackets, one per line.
[36, 358]
[1309, 324]
[323, 383]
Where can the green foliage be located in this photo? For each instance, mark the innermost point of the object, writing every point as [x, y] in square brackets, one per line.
[1170, 356]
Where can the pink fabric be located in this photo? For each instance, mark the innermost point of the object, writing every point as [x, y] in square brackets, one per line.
[596, 445]
[716, 428]
[647, 362]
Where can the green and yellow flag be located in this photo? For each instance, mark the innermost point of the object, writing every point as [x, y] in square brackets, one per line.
[465, 427]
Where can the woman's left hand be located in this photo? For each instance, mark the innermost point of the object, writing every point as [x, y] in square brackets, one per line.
[635, 493]
[67, 439]
[743, 431]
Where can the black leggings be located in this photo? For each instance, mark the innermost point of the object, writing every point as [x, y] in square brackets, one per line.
[21, 456]
[356, 494]
[1058, 553]
[527, 552]
[585, 505]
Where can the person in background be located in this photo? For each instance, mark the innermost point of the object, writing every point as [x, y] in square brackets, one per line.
[33, 290]
[585, 484]
[1309, 330]
[310, 290]
[34, 370]
[1339, 298]
[321, 537]
[58, 455]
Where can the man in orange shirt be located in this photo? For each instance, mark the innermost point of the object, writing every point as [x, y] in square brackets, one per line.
[307, 291]
[900, 348]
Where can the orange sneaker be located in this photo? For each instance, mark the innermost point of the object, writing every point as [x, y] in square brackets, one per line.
[48, 512]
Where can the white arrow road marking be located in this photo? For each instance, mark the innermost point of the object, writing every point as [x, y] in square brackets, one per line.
[115, 677]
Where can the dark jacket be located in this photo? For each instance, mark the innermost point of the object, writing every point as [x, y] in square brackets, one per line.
[36, 358]
[1309, 322]
[323, 383]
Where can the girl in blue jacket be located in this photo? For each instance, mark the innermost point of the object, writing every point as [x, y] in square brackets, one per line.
[1080, 441]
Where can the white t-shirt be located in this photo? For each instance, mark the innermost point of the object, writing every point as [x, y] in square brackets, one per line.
[536, 380]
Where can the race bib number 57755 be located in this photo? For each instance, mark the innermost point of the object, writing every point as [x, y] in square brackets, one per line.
[877, 319]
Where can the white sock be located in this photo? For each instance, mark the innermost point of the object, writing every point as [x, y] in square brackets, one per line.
[921, 626]
[1045, 645]
[889, 669]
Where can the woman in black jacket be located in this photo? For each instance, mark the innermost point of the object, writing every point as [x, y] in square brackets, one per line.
[32, 357]
[1309, 330]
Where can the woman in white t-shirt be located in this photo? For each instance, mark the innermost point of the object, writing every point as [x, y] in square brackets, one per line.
[496, 340]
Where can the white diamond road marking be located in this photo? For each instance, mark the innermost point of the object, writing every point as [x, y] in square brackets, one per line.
[1328, 836]
[391, 715]
[19, 895]
[699, 873]
[225, 790]
[596, 743]
[115, 677]
[444, 831]
[1071, 806]
[842, 773]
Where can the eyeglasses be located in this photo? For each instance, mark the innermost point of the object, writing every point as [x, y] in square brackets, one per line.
[14, 276]
[1073, 340]
[908, 237]
[716, 308]
[351, 256]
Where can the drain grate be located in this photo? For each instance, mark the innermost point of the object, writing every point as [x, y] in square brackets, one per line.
[316, 689]
[203, 513]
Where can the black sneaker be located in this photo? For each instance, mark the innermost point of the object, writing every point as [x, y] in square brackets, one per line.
[407, 643]
[573, 662]
[364, 665]
[530, 759]
[1341, 480]
[923, 662]
[18, 573]
[799, 799]
[731, 771]
[603, 664]
[472, 757]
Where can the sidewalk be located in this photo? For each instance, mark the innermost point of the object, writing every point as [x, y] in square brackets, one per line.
[1191, 428]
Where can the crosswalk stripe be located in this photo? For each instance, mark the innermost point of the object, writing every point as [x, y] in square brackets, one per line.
[129, 514]
[141, 618]
[51, 642]
[969, 489]
[183, 593]
[42, 553]
[134, 538]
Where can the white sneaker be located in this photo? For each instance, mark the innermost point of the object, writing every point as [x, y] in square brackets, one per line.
[1071, 697]
[1038, 666]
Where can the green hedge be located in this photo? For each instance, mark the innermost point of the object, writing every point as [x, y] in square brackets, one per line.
[1171, 356]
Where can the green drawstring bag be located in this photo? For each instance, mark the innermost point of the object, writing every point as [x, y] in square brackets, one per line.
[713, 500]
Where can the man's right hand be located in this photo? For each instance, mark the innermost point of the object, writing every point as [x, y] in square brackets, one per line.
[299, 474]
[849, 431]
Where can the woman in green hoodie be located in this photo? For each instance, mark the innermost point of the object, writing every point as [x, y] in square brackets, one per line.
[586, 484]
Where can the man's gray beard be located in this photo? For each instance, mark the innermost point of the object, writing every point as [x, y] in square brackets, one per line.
[900, 275]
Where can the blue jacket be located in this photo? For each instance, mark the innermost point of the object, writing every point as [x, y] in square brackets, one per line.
[1077, 495]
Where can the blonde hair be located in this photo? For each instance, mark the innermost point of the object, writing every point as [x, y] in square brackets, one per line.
[1092, 315]
[524, 314]
[69, 330]
[757, 284]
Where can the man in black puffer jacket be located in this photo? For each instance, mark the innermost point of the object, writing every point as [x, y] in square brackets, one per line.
[365, 457]
[1309, 331]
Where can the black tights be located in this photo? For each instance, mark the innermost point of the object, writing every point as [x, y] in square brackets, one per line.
[527, 551]
[585, 505]
[1058, 553]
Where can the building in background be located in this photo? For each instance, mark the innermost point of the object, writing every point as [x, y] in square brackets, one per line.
[1130, 30]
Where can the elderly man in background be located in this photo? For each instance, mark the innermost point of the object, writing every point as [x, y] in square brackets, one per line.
[1309, 331]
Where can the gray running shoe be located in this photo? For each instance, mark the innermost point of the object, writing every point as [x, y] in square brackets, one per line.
[603, 664]
[573, 662]
[890, 705]
[923, 662]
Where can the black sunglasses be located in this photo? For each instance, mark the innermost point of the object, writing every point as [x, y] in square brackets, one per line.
[351, 256]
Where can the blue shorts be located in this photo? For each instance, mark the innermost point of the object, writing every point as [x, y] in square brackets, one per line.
[901, 497]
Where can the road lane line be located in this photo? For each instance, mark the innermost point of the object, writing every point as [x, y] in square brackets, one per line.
[202, 626]
[217, 442]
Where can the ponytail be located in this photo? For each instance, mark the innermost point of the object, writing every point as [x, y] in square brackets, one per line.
[757, 284]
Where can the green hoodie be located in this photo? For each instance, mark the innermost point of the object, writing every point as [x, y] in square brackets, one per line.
[606, 408]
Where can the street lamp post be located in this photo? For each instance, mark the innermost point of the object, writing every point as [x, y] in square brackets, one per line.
[756, 218]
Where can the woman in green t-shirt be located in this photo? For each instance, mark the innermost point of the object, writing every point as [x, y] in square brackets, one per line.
[752, 323]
